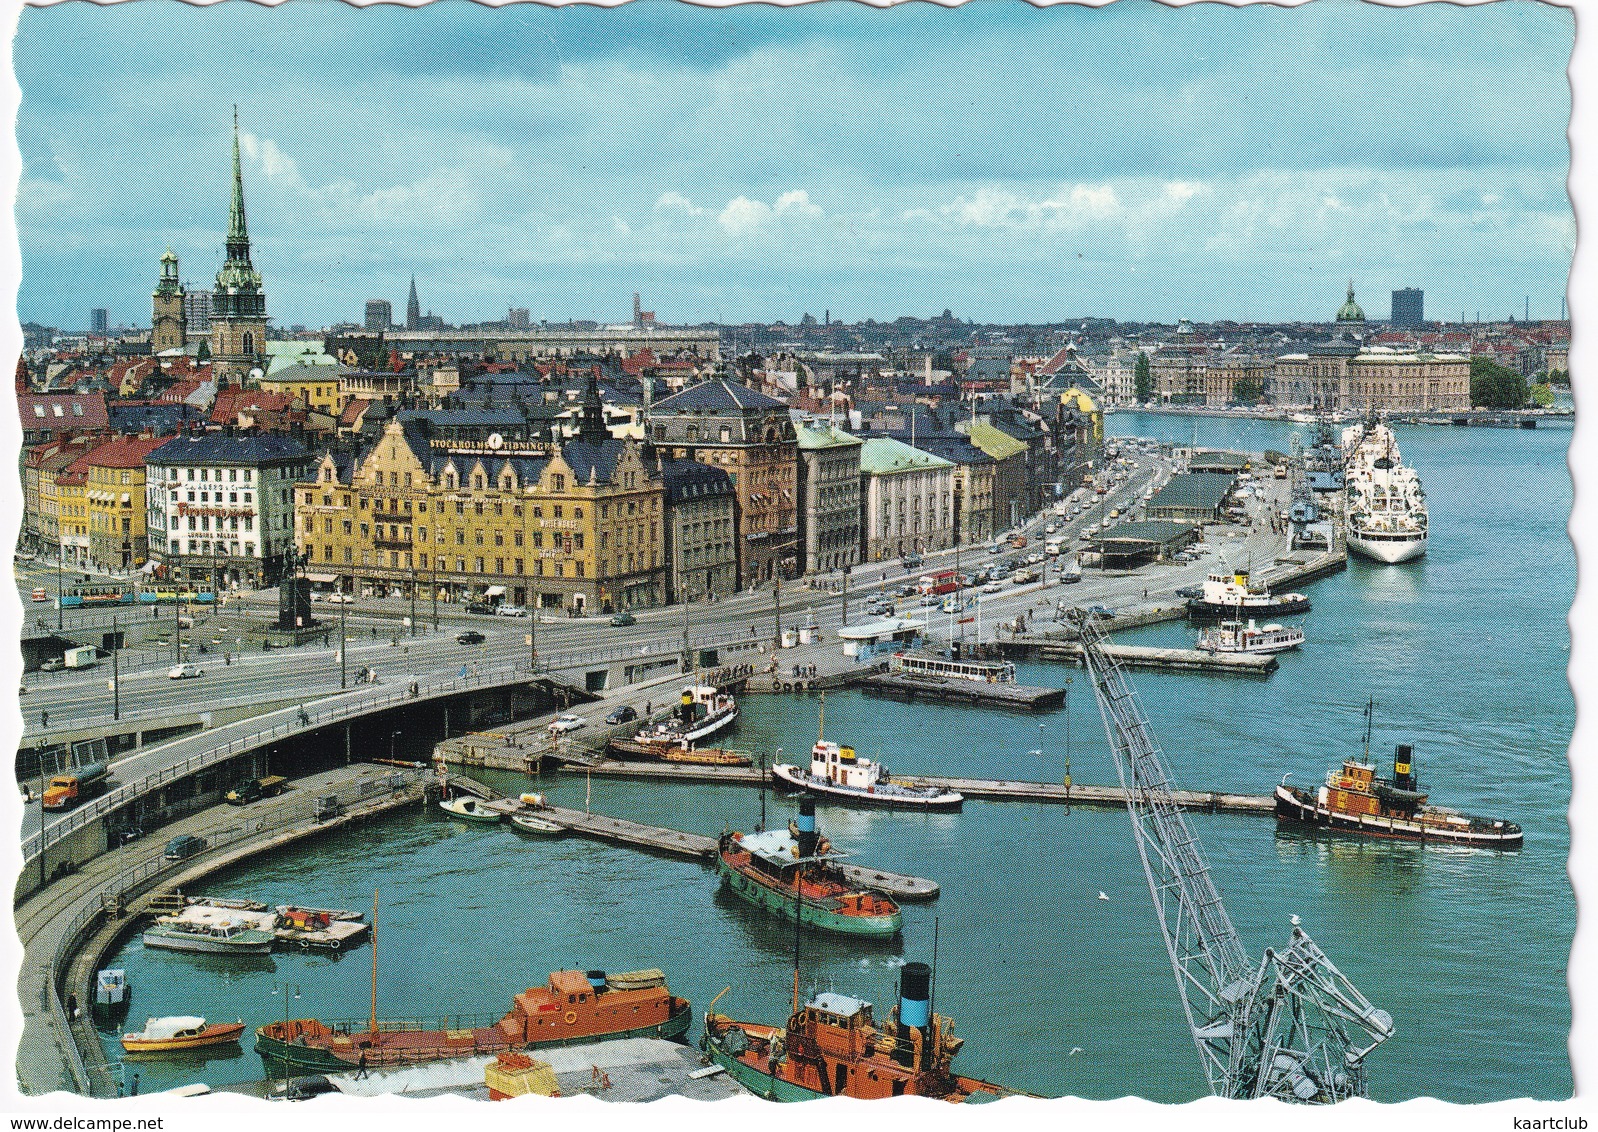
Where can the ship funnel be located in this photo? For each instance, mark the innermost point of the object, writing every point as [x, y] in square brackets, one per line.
[807, 827]
[596, 979]
[686, 711]
[1403, 769]
[915, 998]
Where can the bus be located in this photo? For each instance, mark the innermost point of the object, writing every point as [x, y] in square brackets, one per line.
[943, 582]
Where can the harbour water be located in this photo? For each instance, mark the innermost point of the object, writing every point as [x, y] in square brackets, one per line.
[1464, 652]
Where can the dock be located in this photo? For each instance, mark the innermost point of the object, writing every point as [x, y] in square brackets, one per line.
[1144, 656]
[676, 842]
[291, 925]
[1017, 697]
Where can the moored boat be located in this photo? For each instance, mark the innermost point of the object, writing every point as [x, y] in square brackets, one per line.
[468, 809]
[791, 873]
[1355, 799]
[223, 937]
[1237, 637]
[111, 987]
[537, 826]
[1230, 595]
[180, 1032]
[838, 773]
[705, 710]
[572, 1008]
[833, 1046]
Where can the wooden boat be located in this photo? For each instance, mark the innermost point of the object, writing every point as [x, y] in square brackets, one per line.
[574, 1007]
[539, 827]
[468, 809]
[833, 1046]
[1357, 800]
[223, 938]
[676, 751]
[180, 1032]
[791, 873]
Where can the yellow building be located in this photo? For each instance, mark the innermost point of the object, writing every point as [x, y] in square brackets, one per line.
[113, 500]
[317, 387]
[577, 526]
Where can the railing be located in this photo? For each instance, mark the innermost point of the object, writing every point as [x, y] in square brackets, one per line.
[296, 721]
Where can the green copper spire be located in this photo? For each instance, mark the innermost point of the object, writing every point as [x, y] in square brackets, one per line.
[238, 235]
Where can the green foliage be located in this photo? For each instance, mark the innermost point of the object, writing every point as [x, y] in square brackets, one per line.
[1493, 386]
[1142, 380]
[1247, 391]
[1542, 396]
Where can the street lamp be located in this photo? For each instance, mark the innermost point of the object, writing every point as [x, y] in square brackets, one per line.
[116, 671]
[285, 988]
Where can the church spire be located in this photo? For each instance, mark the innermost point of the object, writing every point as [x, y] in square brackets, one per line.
[238, 235]
[413, 309]
[592, 428]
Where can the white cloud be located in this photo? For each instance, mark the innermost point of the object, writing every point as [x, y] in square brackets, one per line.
[673, 201]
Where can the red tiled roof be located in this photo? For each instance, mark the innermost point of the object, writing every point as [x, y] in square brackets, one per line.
[124, 452]
[59, 411]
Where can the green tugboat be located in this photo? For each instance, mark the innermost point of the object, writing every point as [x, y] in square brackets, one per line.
[791, 873]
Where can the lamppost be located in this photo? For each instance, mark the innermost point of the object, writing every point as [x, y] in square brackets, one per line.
[343, 642]
[285, 988]
[116, 671]
[435, 594]
[776, 597]
[60, 553]
[413, 601]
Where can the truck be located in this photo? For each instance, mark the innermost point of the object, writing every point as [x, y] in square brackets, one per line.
[81, 656]
[254, 789]
[69, 789]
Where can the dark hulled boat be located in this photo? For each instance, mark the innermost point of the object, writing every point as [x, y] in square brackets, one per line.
[834, 1047]
[1357, 800]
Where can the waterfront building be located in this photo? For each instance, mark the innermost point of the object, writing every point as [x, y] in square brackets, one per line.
[1009, 457]
[974, 475]
[1197, 497]
[829, 492]
[751, 437]
[1340, 376]
[168, 328]
[907, 500]
[379, 314]
[575, 525]
[701, 530]
[221, 507]
[113, 500]
[238, 304]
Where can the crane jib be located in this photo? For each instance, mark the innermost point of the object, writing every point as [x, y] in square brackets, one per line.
[1290, 1026]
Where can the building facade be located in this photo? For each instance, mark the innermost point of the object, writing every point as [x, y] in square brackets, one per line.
[751, 437]
[379, 314]
[113, 497]
[701, 531]
[220, 508]
[238, 304]
[1409, 307]
[1340, 376]
[829, 493]
[907, 500]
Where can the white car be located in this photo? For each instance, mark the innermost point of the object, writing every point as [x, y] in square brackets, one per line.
[340, 599]
[1050, 529]
[567, 723]
[992, 588]
[184, 671]
[511, 611]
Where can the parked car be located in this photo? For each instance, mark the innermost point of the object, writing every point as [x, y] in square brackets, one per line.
[54, 664]
[185, 671]
[992, 587]
[39, 594]
[184, 846]
[479, 607]
[1190, 591]
[511, 611]
[340, 599]
[912, 561]
[623, 714]
[470, 637]
[567, 723]
[1101, 613]
[622, 620]
[930, 601]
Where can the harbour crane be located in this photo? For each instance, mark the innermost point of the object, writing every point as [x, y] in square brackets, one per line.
[1289, 1026]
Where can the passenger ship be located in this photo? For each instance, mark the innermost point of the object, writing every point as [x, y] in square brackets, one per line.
[1235, 636]
[1387, 517]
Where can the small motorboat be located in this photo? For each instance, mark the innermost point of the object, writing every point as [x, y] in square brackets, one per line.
[468, 809]
[181, 1032]
[111, 987]
[540, 827]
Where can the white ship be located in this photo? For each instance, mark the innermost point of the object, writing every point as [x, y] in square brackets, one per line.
[1235, 636]
[1387, 518]
[705, 710]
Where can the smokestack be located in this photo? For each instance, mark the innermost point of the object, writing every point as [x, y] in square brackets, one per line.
[1403, 770]
[915, 998]
[807, 827]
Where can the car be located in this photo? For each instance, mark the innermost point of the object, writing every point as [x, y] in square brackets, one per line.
[1190, 591]
[184, 846]
[622, 620]
[470, 637]
[1070, 578]
[1101, 613]
[951, 604]
[906, 590]
[39, 594]
[623, 714]
[968, 580]
[1035, 557]
[1051, 528]
[992, 587]
[912, 561]
[479, 607]
[566, 724]
[340, 599]
[930, 601]
[511, 611]
[185, 671]
[54, 664]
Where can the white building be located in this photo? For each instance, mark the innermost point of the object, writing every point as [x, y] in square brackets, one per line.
[907, 500]
[221, 508]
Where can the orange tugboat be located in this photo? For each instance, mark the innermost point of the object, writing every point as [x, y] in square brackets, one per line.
[1357, 800]
[833, 1047]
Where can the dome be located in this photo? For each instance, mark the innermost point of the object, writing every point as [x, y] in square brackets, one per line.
[1350, 310]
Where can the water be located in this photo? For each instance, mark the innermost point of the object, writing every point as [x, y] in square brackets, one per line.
[1464, 652]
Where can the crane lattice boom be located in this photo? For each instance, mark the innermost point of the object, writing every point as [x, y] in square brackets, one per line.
[1291, 1026]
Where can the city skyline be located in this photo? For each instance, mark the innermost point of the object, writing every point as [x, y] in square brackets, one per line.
[732, 164]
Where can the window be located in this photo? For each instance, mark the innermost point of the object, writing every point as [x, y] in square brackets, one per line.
[477, 537]
[558, 510]
[518, 537]
[519, 566]
[499, 565]
[479, 562]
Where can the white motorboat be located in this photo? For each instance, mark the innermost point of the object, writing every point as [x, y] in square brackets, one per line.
[1236, 636]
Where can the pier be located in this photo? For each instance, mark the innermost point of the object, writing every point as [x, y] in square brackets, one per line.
[1018, 697]
[1143, 656]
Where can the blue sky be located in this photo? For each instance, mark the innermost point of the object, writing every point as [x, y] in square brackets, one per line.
[755, 163]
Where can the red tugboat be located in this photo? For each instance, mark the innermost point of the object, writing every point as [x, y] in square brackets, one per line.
[1356, 800]
[832, 1047]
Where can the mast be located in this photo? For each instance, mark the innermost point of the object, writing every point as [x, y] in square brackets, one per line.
[1370, 714]
[374, 962]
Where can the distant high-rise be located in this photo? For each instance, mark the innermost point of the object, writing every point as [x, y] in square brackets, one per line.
[99, 320]
[1409, 307]
[379, 314]
[518, 318]
[197, 309]
[413, 309]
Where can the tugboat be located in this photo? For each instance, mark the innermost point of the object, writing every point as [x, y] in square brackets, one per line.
[704, 711]
[1356, 800]
[1230, 595]
[833, 1047]
[791, 872]
[1235, 636]
[840, 774]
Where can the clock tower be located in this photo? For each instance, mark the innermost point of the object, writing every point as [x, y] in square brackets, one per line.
[166, 320]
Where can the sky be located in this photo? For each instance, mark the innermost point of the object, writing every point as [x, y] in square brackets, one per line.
[1009, 163]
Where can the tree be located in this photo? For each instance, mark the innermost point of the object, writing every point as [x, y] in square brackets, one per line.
[1493, 386]
[1142, 381]
[1247, 391]
[1542, 396]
